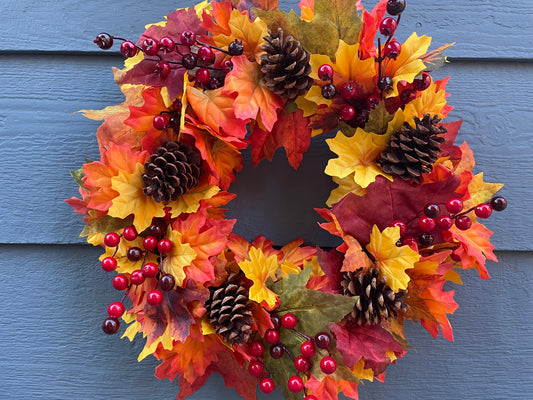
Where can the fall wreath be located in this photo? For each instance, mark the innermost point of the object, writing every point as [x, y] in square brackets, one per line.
[219, 77]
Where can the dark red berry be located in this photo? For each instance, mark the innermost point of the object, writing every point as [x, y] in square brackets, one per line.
[407, 96]
[276, 351]
[463, 222]
[385, 84]
[136, 277]
[203, 75]
[215, 83]
[128, 49]
[116, 309]
[276, 321]
[455, 257]
[267, 385]
[257, 348]
[498, 203]
[189, 61]
[454, 205]
[295, 384]
[307, 349]
[348, 91]
[387, 27]
[205, 54]
[149, 270]
[395, 7]
[322, 340]
[444, 222]
[392, 49]
[166, 44]
[111, 325]
[328, 365]
[109, 264]
[150, 243]
[160, 122]
[288, 321]
[325, 72]
[328, 91]
[302, 363]
[347, 112]
[188, 38]
[236, 48]
[373, 101]
[104, 41]
[167, 282]
[162, 68]
[426, 239]
[401, 224]
[130, 233]
[423, 82]
[227, 66]
[255, 368]
[134, 254]
[165, 246]
[157, 229]
[154, 297]
[432, 210]
[120, 282]
[483, 210]
[150, 47]
[272, 336]
[112, 239]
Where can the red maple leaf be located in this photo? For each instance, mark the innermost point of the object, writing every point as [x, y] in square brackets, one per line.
[371, 23]
[331, 263]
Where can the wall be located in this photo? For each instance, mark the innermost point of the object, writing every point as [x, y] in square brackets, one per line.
[54, 294]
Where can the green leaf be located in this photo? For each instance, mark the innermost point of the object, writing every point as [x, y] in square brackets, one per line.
[77, 175]
[435, 59]
[104, 224]
[333, 20]
[378, 120]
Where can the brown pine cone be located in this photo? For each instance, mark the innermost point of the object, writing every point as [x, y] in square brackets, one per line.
[172, 170]
[412, 151]
[285, 65]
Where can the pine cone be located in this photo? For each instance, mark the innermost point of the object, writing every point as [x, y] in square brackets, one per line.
[229, 310]
[377, 301]
[285, 65]
[412, 151]
[172, 170]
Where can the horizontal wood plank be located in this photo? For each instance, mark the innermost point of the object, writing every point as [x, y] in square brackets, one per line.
[42, 141]
[480, 28]
[55, 297]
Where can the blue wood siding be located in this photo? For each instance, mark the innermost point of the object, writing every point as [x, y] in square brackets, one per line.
[55, 295]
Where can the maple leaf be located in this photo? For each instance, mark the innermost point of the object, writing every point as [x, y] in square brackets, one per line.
[345, 185]
[480, 191]
[216, 20]
[252, 96]
[141, 118]
[391, 259]
[371, 21]
[435, 59]
[331, 263]
[333, 20]
[181, 255]
[294, 253]
[357, 154]
[289, 131]
[431, 101]
[258, 268]
[328, 388]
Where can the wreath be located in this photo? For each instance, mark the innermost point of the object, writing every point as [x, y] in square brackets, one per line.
[220, 77]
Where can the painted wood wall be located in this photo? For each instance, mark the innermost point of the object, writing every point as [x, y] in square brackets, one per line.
[54, 295]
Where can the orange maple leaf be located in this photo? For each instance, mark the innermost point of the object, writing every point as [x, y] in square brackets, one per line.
[252, 98]
[216, 20]
[328, 388]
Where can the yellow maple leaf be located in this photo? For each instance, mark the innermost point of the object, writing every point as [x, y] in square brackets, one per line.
[258, 269]
[361, 372]
[357, 155]
[346, 185]
[430, 101]
[480, 191]
[190, 201]
[391, 259]
[181, 255]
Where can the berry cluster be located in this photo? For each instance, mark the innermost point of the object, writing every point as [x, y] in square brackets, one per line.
[153, 242]
[443, 217]
[302, 362]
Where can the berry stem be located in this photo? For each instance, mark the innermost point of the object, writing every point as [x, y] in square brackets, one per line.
[126, 292]
[301, 334]
[213, 47]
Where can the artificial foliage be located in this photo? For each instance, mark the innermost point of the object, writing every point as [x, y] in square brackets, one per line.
[215, 79]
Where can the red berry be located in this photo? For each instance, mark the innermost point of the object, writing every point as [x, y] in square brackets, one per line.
[423, 82]
[150, 47]
[111, 325]
[267, 385]
[498, 203]
[162, 68]
[454, 205]
[463, 222]
[276, 321]
[444, 222]
[134, 254]
[272, 336]
[188, 38]
[160, 122]
[227, 66]
[128, 49]
[255, 368]
[328, 365]
[165, 246]
[310, 397]
[257, 349]
[348, 91]
[203, 75]
[322, 340]
[289, 321]
[276, 351]
[325, 72]
[149, 270]
[387, 27]
[150, 243]
[189, 61]
[166, 44]
[116, 309]
[432, 210]
[130, 233]
[109, 264]
[308, 349]
[154, 298]
[120, 282]
[295, 384]
[373, 101]
[328, 91]
[392, 49]
[426, 239]
[483, 210]
[112, 239]
[401, 224]
[302, 364]
[205, 54]
[409, 241]
[426, 224]
[347, 112]
[136, 277]
[167, 282]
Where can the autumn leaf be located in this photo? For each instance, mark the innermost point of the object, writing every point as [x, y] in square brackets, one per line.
[345, 185]
[289, 131]
[104, 224]
[379, 119]
[431, 101]
[328, 388]
[480, 191]
[181, 255]
[252, 99]
[371, 21]
[258, 268]
[435, 59]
